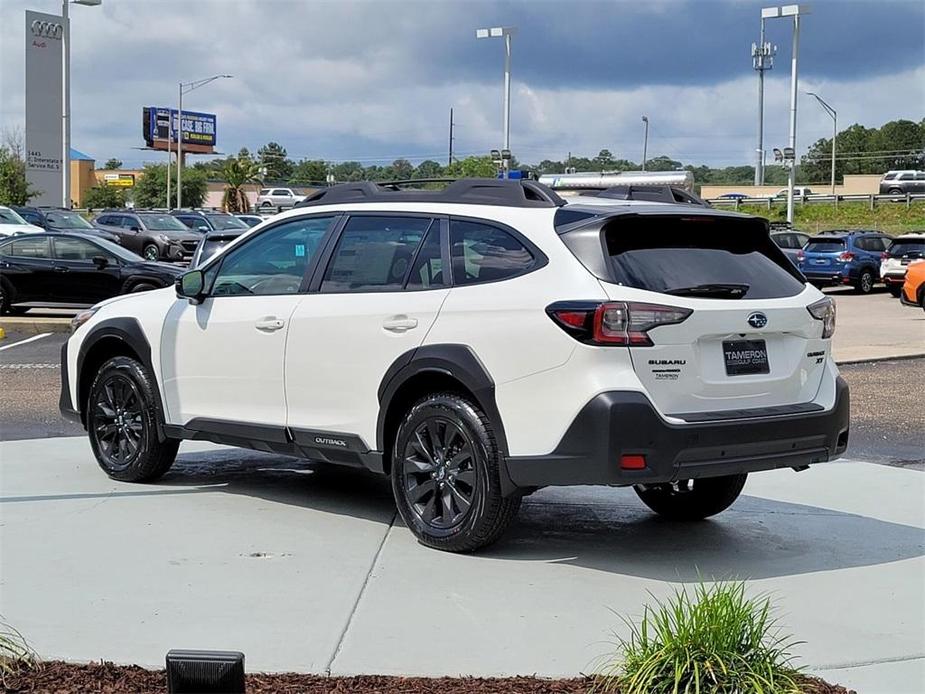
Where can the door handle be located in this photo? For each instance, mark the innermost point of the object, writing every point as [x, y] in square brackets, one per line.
[61, 268]
[399, 324]
[270, 324]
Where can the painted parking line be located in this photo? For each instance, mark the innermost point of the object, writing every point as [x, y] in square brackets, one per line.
[30, 366]
[22, 342]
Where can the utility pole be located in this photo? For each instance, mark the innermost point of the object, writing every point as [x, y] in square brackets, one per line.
[645, 142]
[794, 11]
[449, 159]
[762, 59]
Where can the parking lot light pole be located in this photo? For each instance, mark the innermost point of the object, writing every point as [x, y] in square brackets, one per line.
[66, 99]
[831, 111]
[795, 11]
[762, 59]
[185, 88]
[506, 33]
[645, 142]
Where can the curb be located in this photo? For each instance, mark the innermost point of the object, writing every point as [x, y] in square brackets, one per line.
[34, 326]
[874, 360]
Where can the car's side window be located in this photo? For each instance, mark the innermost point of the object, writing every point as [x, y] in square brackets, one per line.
[273, 262]
[484, 253]
[28, 248]
[374, 253]
[76, 249]
[427, 271]
[103, 219]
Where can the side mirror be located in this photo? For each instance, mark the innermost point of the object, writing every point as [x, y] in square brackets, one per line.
[203, 227]
[134, 227]
[100, 261]
[190, 286]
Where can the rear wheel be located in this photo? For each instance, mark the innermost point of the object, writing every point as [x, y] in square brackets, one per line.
[895, 290]
[122, 423]
[692, 499]
[446, 475]
[151, 252]
[143, 287]
[865, 283]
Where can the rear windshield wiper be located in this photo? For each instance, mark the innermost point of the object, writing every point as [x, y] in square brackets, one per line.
[713, 291]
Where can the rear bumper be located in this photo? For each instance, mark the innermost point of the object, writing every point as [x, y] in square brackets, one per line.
[618, 423]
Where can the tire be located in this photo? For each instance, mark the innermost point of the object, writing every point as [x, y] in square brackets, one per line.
[122, 423]
[265, 204]
[454, 507]
[865, 283]
[689, 500]
[5, 307]
[151, 252]
[896, 191]
[143, 287]
[895, 291]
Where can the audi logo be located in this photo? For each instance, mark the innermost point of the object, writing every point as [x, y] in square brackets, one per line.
[47, 30]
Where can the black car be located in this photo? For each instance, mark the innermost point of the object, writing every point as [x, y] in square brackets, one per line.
[212, 243]
[64, 270]
[203, 221]
[152, 235]
[59, 219]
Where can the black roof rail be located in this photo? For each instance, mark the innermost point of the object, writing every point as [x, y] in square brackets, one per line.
[649, 193]
[471, 191]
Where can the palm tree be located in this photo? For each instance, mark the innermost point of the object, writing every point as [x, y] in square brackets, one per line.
[237, 172]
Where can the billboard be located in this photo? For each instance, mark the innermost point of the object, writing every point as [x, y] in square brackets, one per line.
[119, 180]
[44, 107]
[160, 125]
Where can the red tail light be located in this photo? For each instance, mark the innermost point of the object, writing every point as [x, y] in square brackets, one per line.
[846, 257]
[885, 255]
[800, 256]
[614, 323]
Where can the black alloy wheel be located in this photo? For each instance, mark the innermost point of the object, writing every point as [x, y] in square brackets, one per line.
[118, 421]
[446, 475]
[122, 421]
[439, 472]
[151, 253]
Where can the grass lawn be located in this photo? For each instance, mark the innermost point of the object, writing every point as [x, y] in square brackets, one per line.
[891, 218]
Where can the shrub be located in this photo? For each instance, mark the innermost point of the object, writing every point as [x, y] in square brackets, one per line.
[102, 196]
[15, 653]
[717, 640]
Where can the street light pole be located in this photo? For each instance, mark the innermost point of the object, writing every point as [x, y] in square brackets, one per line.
[184, 88]
[506, 33]
[793, 11]
[66, 99]
[645, 142]
[831, 111]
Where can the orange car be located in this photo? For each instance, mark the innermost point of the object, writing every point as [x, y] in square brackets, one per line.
[913, 293]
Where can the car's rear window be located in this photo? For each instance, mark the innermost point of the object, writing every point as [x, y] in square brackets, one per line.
[704, 257]
[825, 246]
[914, 249]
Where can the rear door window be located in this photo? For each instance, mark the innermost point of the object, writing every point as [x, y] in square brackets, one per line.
[375, 253]
[27, 248]
[711, 258]
[825, 246]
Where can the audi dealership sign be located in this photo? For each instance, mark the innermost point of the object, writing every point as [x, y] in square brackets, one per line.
[44, 106]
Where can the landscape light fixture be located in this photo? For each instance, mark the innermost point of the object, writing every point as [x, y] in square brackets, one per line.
[66, 99]
[205, 672]
[506, 33]
[831, 111]
[185, 88]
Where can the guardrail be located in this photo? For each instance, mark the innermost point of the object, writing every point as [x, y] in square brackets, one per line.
[871, 200]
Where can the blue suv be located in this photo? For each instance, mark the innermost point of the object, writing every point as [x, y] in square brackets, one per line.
[844, 257]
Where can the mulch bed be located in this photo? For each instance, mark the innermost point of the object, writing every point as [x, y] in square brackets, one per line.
[106, 678]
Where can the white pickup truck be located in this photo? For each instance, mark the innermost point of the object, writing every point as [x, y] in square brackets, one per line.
[278, 197]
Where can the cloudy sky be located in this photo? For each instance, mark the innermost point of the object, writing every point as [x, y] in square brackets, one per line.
[374, 80]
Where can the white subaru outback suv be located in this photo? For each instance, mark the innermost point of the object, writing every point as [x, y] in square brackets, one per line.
[475, 344]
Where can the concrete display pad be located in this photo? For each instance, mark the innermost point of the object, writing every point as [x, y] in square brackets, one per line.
[307, 568]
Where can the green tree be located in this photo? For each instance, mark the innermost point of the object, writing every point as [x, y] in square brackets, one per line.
[274, 157]
[603, 161]
[348, 171]
[112, 164]
[237, 172]
[151, 187]
[102, 196]
[901, 142]
[309, 171]
[14, 189]
[662, 163]
[473, 167]
[400, 170]
[428, 169]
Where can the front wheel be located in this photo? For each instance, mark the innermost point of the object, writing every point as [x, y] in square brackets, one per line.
[688, 500]
[122, 423]
[151, 252]
[865, 283]
[446, 475]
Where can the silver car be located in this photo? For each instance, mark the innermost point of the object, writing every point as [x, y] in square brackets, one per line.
[277, 197]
